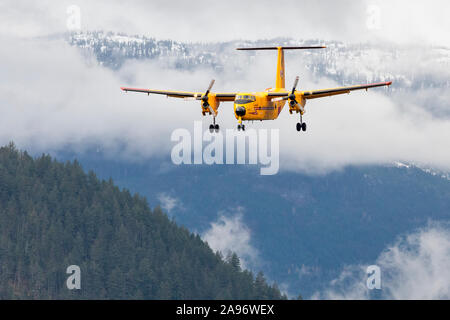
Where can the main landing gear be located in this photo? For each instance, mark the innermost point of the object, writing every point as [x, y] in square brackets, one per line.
[301, 126]
[214, 127]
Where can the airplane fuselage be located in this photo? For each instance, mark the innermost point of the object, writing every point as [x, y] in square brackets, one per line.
[256, 106]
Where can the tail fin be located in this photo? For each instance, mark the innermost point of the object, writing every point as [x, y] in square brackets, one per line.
[280, 83]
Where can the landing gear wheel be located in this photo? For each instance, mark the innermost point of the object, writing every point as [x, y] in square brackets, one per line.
[211, 128]
[299, 126]
[243, 127]
[216, 128]
[239, 127]
[303, 126]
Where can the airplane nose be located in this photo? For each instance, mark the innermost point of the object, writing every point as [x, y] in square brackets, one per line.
[240, 111]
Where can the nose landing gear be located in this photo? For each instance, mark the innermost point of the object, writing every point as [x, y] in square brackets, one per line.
[240, 125]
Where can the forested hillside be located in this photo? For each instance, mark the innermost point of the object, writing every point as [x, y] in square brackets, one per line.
[306, 228]
[53, 215]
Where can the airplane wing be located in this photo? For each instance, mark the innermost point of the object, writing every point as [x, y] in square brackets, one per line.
[183, 94]
[278, 94]
[331, 92]
[328, 92]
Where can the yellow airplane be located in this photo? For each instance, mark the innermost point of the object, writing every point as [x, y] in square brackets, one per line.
[264, 105]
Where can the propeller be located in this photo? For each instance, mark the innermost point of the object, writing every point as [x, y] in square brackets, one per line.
[204, 98]
[291, 97]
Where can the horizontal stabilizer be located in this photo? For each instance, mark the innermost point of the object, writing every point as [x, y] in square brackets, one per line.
[284, 48]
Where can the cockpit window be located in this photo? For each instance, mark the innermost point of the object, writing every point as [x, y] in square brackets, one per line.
[243, 99]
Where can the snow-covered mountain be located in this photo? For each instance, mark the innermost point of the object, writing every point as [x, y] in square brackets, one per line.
[413, 69]
[410, 67]
[426, 169]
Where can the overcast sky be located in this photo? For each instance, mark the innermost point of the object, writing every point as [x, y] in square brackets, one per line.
[348, 20]
[50, 97]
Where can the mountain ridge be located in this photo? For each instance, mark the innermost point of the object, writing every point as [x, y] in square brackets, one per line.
[113, 49]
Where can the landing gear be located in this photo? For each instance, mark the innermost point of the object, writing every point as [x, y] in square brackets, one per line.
[240, 125]
[301, 126]
[214, 127]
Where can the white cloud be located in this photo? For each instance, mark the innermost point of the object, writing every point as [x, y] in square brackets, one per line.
[365, 129]
[51, 98]
[415, 267]
[202, 20]
[230, 234]
[168, 202]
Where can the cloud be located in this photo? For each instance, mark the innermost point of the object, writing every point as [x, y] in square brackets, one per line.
[230, 234]
[415, 267]
[366, 129]
[52, 98]
[168, 202]
[347, 20]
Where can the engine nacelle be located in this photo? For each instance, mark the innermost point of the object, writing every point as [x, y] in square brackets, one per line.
[212, 104]
[297, 105]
